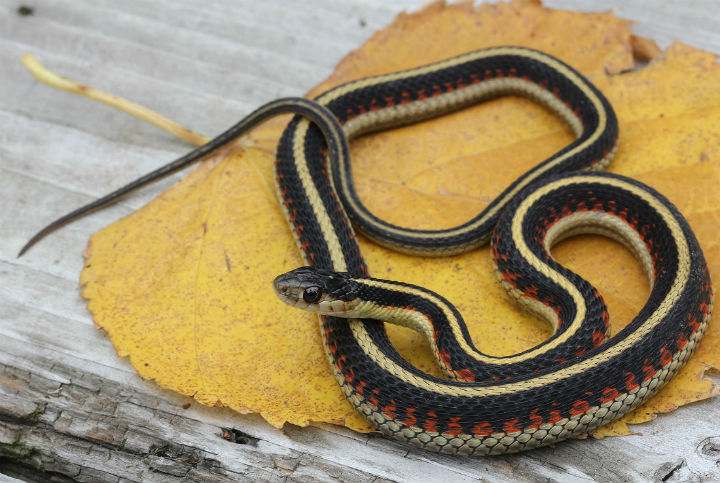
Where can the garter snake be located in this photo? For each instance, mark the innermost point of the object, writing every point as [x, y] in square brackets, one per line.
[576, 380]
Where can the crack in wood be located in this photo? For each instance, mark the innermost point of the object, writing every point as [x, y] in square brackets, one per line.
[236, 436]
[100, 431]
[668, 470]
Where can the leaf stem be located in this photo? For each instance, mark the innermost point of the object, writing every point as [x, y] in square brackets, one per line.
[52, 79]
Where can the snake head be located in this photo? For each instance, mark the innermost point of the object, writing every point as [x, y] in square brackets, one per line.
[315, 290]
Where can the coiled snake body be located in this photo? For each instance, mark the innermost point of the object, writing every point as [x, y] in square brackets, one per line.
[576, 380]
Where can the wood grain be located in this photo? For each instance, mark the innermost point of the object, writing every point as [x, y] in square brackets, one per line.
[70, 408]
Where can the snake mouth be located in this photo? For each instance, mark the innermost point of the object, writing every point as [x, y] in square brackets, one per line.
[287, 290]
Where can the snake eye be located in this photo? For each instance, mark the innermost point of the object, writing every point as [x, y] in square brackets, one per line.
[312, 294]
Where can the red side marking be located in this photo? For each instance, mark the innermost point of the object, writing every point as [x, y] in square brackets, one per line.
[444, 356]
[598, 338]
[483, 429]
[510, 277]
[389, 101]
[488, 74]
[612, 206]
[605, 316]
[436, 334]
[333, 348]
[449, 87]
[374, 401]
[665, 357]
[581, 352]
[681, 341]
[466, 375]
[560, 360]
[499, 73]
[649, 371]
[360, 388]
[455, 427]
[609, 395]
[579, 407]
[374, 105]
[432, 414]
[376, 391]
[460, 83]
[341, 361]
[554, 417]
[405, 97]
[421, 94]
[350, 377]
[511, 426]
[495, 252]
[475, 78]
[350, 114]
[536, 419]
[430, 425]
[513, 72]
[704, 308]
[361, 109]
[389, 410]
[694, 324]
[630, 383]
[410, 420]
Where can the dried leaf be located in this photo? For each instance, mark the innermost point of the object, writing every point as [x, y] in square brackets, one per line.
[183, 285]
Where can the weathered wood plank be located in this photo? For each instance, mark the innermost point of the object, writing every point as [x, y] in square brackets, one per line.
[70, 408]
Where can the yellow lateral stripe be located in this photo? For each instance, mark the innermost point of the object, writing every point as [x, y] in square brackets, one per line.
[321, 215]
[679, 282]
[540, 93]
[607, 225]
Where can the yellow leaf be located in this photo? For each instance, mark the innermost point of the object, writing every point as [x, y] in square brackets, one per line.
[183, 285]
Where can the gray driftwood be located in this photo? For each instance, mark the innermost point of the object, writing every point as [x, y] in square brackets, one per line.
[70, 408]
